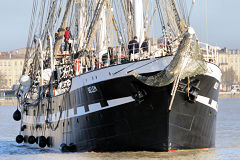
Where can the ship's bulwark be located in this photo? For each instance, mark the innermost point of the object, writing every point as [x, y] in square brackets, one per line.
[106, 121]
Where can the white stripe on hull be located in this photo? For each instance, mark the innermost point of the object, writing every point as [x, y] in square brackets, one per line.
[206, 101]
[97, 107]
[80, 111]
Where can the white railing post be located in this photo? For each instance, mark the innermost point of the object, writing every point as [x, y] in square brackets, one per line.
[207, 52]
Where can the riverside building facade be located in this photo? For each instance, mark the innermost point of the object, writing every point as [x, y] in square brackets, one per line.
[229, 62]
[11, 64]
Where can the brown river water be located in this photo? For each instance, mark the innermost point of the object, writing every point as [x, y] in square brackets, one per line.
[227, 141]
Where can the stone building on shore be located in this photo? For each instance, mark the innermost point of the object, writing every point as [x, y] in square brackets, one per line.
[11, 65]
[229, 62]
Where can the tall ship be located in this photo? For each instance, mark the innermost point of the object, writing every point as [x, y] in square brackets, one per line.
[113, 75]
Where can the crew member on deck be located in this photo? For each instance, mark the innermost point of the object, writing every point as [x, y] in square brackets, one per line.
[144, 47]
[169, 47]
[67, 37]
[133, 46]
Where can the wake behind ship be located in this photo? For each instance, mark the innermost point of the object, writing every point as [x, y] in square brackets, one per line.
[105, 99]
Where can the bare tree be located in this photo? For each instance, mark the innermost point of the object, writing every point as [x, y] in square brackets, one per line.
[228, 77]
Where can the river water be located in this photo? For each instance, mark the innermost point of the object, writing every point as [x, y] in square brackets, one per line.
[227, 141]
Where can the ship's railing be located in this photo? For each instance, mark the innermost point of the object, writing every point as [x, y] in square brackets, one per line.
[120, 55]
[210, 52]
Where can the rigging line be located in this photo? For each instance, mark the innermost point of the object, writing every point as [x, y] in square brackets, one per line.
[40, 19]
[118, 20]
[32, 23]
[29, 36]
[178, 8]
[171, 25]
[151, 20]
[124, 10]
[53, 18]
[123, 4]
[145, 13]
[41, 25]
[57, 15]
[121, 31]
[108, 6]
[48, 21]
[185, 8]
[71, 15]
[160, 13]
[182, 10]
[206, 21]
[201, 24]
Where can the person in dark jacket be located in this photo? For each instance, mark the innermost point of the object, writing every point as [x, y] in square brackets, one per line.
[67, 37]
[133, 46]
[144, 45]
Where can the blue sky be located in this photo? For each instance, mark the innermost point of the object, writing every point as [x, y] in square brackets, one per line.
[223, 22]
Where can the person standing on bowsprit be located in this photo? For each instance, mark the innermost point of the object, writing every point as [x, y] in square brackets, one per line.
[133, 47]
[67, 37]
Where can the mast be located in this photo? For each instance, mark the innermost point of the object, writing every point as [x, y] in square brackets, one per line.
[138, 20]
[63, 26]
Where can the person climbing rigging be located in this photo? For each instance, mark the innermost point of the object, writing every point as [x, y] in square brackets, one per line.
[67, 37]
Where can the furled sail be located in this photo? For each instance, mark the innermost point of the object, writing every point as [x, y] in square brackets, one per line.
[187, 62]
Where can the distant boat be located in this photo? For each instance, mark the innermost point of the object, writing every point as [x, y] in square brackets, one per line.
[97, 97]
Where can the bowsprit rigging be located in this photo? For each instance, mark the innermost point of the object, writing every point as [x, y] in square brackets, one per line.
[113, 75]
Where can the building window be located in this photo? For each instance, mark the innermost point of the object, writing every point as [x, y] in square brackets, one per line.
[236, 60]
[9, 63]
[15, 63]
[0, 63]
[10, 82]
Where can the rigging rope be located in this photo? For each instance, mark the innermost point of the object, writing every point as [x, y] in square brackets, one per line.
[30, 35]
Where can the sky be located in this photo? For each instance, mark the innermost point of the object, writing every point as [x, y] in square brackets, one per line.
[220, 26]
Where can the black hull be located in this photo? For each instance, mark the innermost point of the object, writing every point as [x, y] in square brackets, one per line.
[141, 123]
